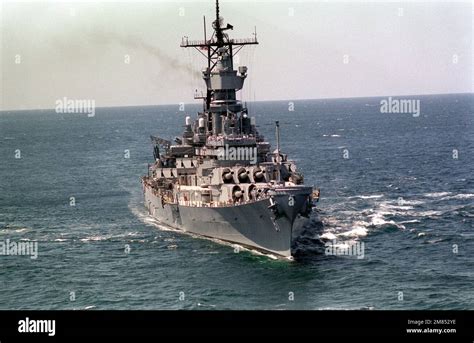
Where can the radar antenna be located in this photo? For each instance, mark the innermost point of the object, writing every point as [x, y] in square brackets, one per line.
[209, 48]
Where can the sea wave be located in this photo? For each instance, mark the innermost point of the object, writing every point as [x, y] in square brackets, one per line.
[430, 213]
[410, 221]
[356, 227]
[434, 241]
[355, 232]
[328, 235]
[372, 196]
[459, 196]
[379, 221]
[106, 237]
[95, 238]
[396, 207]
[7, 229]
[410, 202]
[436, 194]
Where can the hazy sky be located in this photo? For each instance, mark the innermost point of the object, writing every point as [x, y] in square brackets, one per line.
[51, 50]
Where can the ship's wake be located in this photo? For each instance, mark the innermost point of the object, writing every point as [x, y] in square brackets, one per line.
[344, 222]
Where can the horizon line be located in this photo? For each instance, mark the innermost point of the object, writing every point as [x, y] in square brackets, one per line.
[250, 101]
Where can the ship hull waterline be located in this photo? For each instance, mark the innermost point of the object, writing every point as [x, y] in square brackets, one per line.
[252, 225]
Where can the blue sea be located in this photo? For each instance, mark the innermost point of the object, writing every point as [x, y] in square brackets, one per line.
[400, 184]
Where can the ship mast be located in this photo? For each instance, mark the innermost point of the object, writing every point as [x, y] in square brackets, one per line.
[218, 30]
[221, 80]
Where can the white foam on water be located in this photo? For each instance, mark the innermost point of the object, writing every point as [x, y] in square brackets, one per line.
[378, 219]
[361, 223]
[434, 241]
[396, 207]
[411, 202]
[96, 238]
[138, 211]
[21, 230]
[239, 248]
[426, 213]
[138, 240]
[205, 305]
[410, 221]
[355, 232]
[329, 221]
[372, 196]
[436, 195]
[328, 235]
[161, 226]
[134, 233]
[393, 208]
[7, 230]
[459, 196]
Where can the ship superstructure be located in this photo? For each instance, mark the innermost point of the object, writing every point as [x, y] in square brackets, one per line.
[221, 179]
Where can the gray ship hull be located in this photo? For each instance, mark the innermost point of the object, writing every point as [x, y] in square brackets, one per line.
[253, 225]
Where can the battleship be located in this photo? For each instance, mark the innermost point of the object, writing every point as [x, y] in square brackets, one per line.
[221, 179]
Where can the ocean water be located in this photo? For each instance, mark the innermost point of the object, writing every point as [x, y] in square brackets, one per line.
[400, 190]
